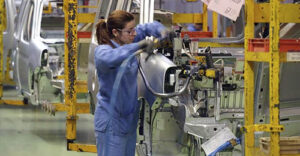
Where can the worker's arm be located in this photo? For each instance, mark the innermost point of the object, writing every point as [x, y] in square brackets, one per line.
[107, 57]
[149, 29]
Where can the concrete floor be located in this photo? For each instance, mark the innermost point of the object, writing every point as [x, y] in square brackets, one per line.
[29, 131]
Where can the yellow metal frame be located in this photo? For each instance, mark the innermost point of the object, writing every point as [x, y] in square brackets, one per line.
[187, 18]
[2, 28]
[265, 12]
[13, 102]
[215, 25]
[49, 10]
[82, 147]
[290, 13]
[249, 79]
[264, 128]
[72, 85]
[81, 108]
[71, 66]
[205, 21]
[86, 17]
[274, 68]
[194, 18]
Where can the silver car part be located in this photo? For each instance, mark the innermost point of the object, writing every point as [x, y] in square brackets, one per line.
[36, 60]
[8, 34]
[29, 46]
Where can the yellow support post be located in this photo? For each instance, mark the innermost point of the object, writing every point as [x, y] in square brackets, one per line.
[274, 58]
[2, 28]
[249, 79]
[70, 9]
[72, 85]
[204, 17]
[215, 25]
[274, 76]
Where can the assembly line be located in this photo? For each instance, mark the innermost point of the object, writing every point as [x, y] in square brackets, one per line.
[150, 78]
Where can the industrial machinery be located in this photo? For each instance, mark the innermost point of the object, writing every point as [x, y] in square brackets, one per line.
[187, 94]
[209, 97]
[208, 88]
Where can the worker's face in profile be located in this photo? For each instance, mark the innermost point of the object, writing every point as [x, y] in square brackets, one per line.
[128, 33]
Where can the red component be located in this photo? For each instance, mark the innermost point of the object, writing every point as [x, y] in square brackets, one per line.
[192, 62]
[196, 34]
[84, 34]
[285, 45]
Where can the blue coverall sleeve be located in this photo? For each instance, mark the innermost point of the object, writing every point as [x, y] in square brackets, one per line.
[191, 27]
[148, 29]
[107, 57]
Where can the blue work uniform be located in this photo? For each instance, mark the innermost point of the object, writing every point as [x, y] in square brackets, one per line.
[191, 27]
[115, 128]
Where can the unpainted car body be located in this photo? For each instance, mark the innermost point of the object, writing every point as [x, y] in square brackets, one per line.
[29, 46]
[32, 54]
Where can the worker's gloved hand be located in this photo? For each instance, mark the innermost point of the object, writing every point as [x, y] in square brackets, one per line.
[169, 35]
[147, 46]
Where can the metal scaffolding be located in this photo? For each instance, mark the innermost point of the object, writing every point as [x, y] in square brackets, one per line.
[273, 13]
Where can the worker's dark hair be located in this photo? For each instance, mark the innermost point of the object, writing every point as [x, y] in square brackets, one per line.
[116, 20]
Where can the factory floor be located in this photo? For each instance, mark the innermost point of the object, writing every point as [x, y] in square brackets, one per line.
[29, 131]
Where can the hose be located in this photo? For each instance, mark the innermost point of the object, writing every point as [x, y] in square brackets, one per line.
[121, 73]
[114, 93]
[119, 76]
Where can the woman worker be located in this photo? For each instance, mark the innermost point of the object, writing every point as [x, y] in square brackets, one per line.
[118, 38]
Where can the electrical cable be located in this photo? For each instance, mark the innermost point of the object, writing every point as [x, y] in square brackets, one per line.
[226, 145]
